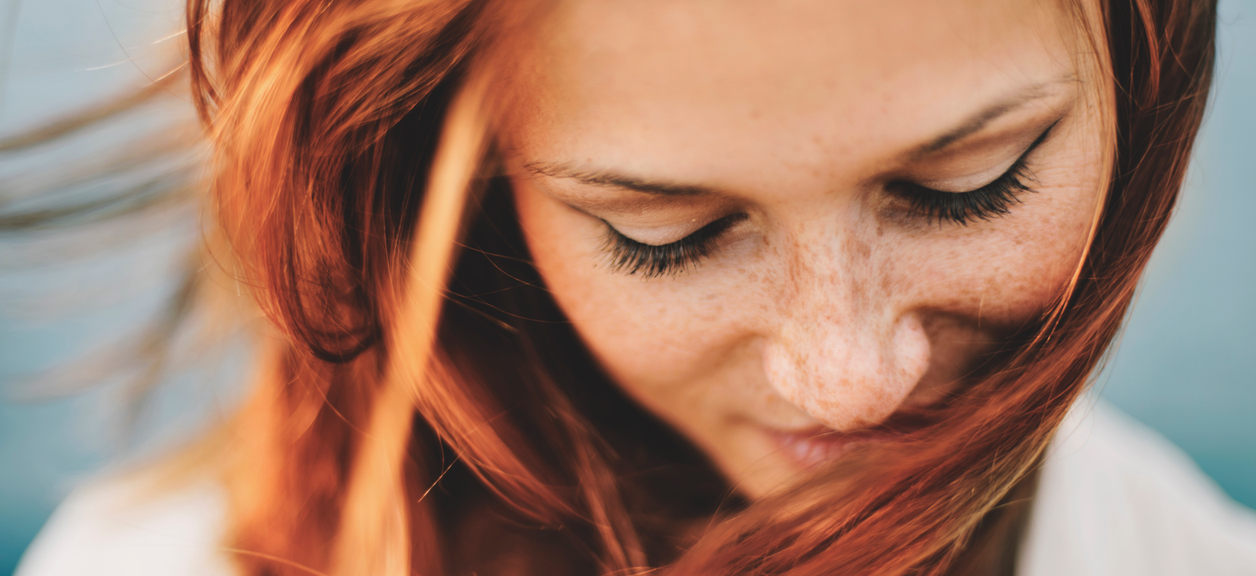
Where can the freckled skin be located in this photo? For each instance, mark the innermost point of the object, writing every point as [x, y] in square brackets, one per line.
[827, 305]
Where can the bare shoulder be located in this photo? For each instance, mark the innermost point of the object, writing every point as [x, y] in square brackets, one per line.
[125, 527]
[1116, 497]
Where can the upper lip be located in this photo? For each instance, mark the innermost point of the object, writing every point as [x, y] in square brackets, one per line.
[825, 432]
[898, 423]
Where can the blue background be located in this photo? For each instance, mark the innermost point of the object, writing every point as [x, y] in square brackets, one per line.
[1186, 363]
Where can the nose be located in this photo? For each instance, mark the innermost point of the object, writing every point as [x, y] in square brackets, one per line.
[844, 352]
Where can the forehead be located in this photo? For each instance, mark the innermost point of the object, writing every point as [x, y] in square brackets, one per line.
[713, 87]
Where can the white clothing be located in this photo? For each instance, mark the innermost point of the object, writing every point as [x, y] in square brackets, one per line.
[1114, 499]
[112, 529]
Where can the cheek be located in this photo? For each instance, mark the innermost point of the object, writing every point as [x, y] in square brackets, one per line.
[649, 335]
[1003, 276]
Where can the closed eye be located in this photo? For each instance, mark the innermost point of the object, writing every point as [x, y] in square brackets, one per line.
[629, 256]
[989, 201]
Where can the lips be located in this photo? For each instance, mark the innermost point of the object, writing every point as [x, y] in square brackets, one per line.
[814, 446]
[808, 448]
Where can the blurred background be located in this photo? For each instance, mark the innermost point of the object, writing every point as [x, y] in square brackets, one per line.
[1186, 364]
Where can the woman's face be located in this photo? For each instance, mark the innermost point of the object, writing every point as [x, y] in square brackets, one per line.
[773, 219]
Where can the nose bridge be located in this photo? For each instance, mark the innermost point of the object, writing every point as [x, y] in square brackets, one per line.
[842, 349]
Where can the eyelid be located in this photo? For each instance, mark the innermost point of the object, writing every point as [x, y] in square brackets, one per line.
[993, 199]
[658, 234]
[654, 219]
[999, 170]
[724, 223]
[970, 182]
[630, 257]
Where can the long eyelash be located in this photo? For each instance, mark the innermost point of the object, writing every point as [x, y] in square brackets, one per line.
[631, 257]
[990, 201]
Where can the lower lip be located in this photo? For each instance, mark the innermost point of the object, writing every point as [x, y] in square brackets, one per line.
[813, 448]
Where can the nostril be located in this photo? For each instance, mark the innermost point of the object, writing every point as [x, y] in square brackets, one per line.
[849, 379]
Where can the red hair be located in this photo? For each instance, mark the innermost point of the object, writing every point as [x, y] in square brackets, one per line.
[424, 394]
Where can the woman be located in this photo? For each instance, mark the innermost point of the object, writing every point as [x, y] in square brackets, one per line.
[586, 287]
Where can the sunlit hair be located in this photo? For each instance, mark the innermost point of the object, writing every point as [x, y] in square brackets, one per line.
[424, 408]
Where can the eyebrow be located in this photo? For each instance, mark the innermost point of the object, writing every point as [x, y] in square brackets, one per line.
[985, 116]
[610, 179]
[973, 124]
